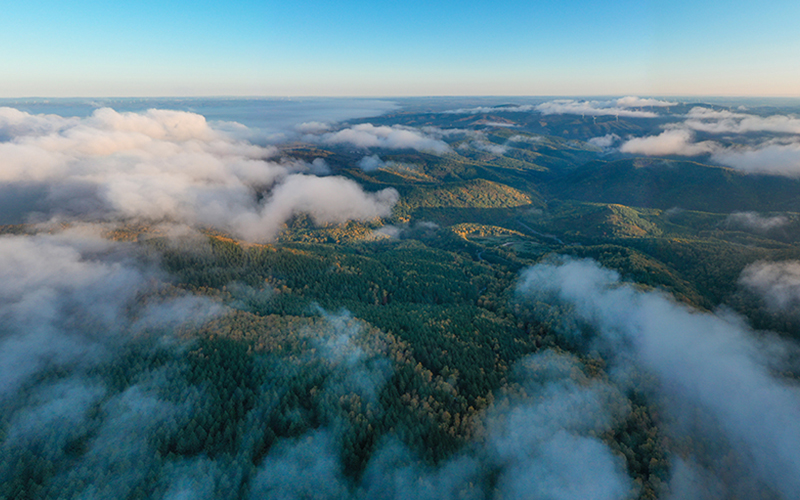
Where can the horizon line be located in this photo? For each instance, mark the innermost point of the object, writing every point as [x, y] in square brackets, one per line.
[432, 96]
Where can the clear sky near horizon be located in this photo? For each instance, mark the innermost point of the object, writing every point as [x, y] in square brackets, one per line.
[357, 48]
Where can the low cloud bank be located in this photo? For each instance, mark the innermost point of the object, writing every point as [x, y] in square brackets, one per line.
[670, 142]
[613, 107]
[727, 122]
[367, 135]
[169, 165]
[491, 109]
[708, 366]
[775, 156]
[618, 107]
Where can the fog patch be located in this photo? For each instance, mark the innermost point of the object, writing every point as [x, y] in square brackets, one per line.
[489, 147]
[59, 307]
[394, 473]
[755, 221]
[778, 283]
[370, 163]
[605, 141]
[706, 361]
[421, 229]
[307, 467]
[386, 232]
[532, 139]
[545, 442]
[313, 127]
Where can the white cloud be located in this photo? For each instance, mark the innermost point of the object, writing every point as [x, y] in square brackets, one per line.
[619, 107]
[497, 124]
[326, 199]
[772, 157]
[724, 122]
[639, 102]
[670, 142]
[366, 135]
[172, 165]
[313, 127]
[777, 156]
[491, 109]
[319, 166]
[441, 133]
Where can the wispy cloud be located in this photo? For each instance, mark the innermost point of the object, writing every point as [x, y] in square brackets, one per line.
[66, 299]
[639, 102]
[712, 362]
[547, 442]
[777, 282]
[614, 107]
[756, 221]
[617, 107]
[489, 147]
[491, 109]
[670, 142]
[367, 135]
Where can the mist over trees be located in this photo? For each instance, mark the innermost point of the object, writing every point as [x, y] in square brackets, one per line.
[466, 300]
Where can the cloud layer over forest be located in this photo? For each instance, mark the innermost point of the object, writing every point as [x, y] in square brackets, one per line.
[367, 135]
[169, 165]
[624, 106]
[714, 373]
[75, 306]
[776, 154]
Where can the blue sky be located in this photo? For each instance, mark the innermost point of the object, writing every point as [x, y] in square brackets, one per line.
[360, 48]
